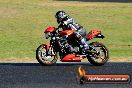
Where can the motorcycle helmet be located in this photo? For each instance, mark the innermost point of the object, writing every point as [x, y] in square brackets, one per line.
[60, 15]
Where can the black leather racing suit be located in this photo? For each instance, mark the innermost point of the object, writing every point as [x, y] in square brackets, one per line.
[80, 32]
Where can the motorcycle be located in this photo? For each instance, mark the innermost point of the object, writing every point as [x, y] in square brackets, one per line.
[65, 46]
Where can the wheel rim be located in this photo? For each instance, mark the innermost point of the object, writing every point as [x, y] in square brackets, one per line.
[46, 58]
[101, 56]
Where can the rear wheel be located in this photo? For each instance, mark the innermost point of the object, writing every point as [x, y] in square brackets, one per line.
[45, 56]
[101, 56]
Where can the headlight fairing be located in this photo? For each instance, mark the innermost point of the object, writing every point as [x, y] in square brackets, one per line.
[47, 35]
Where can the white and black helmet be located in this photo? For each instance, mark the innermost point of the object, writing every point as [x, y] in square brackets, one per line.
[60, 15]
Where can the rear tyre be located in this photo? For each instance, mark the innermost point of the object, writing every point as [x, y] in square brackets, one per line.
[102, 57]
[45, 56]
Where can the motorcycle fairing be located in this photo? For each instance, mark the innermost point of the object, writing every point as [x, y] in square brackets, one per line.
[93, 33]
[66, 32]
[71, 58]
[50, 29]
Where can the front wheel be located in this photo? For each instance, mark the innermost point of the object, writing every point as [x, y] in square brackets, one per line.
[101, 56]
[45, 56]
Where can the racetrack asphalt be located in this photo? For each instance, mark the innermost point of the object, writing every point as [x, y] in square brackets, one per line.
[61, 75]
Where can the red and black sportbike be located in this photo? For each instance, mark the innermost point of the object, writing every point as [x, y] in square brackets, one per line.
[65, 47]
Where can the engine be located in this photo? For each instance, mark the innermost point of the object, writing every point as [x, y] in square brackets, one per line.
[64, 46]
[67, 48]
[61, 45]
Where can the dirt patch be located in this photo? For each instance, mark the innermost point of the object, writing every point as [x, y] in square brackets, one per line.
[67, 4]
[7, 12]
[120, 59]
[18, 60]
[75, 4]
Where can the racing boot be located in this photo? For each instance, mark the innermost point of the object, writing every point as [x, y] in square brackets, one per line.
[84, 46]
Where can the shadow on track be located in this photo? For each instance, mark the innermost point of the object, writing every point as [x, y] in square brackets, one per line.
[37, 64]
[66, 64]
[122, 1]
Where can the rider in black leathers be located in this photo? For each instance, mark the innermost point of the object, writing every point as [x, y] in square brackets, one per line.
[66, 22]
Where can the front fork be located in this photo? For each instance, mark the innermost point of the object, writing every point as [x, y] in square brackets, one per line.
[49, 51]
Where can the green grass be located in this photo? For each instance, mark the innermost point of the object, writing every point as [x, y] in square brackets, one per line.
[22, 23]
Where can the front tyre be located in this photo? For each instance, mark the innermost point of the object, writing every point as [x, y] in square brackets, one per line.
[102, 55]
[45, 56]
